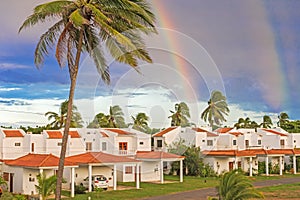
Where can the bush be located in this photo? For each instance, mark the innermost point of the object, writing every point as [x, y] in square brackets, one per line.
[80, 189]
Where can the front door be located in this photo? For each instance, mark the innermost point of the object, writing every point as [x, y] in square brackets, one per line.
[11, 182]
[231, 164]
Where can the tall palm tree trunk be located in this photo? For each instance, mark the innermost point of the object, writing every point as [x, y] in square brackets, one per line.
[73, 71]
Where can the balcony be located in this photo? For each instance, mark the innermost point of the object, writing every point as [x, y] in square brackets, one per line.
[125, 152]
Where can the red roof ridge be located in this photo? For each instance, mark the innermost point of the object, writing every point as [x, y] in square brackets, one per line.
[118, 131]
[275, 132]
[13, 132]
[161, 133]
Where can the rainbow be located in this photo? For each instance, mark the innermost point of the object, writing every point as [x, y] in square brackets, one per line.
[275, 96]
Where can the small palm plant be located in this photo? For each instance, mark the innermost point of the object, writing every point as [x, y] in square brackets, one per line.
[46, 185]
[235, 186]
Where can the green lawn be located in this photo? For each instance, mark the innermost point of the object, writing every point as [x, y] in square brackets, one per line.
[172, 185]
[287, 191]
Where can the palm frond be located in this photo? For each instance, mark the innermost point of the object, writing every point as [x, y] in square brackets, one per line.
[44, 11]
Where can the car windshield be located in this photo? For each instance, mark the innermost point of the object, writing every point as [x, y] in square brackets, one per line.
[101, 178]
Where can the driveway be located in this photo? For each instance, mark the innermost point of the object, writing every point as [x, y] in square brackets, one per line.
[204, 193]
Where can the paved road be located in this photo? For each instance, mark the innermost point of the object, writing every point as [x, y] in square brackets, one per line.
[204, 193]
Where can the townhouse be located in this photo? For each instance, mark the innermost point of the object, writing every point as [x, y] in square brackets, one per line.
[119, 154]
[230, 148]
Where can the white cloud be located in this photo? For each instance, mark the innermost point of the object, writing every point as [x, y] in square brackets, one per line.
[6, 66]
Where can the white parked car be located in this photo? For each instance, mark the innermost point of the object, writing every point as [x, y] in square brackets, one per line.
[98, 181]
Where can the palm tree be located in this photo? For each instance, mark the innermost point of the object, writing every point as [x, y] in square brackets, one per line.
[283, 119]
[246, 123]
[235, 186]
[81, 25]
[181, 114]
[99, 120]
[59, 119]
[115, 117]
[46, 186]
[140, 122]
[267, 122]
[217, 108]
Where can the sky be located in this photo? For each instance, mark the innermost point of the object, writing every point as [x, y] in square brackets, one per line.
[247, 49]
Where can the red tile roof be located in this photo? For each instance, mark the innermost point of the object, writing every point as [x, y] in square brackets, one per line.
[224, 130]
[99, 157]
[274, 132]
[56, 134]
[236, 133]
[103, 134]
[74, 134]
[13, 133]
[38, 160]
[119, 131]
[161, 133]
[209, 134]
[199, 130]
[157, 155]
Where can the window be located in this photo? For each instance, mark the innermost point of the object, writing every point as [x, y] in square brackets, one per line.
[122, 145]
[209, 143]
[247, 143]
[203, 140]
[17, 144]
[32, 147]
[128, 169]
[59, 143]
[104, 147]
[159, 143]
[259, 142]
[233, 142]
[282, 142]
[141, 143]
[88, 146]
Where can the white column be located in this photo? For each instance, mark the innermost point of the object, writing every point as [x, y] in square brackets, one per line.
[161, 171]
[181, 171]
[267, 165]
[294, 164]
[72, 182]
[280, 165]
[115, 177]
[250, 166]
[137, 176]
[235, 163]
[42, 174]
[90, 178]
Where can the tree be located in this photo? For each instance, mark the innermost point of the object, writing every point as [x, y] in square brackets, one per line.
[115, 117]
[217, 108]
[140, 122]
[59, 119]
[235, 186]
[267, 122]
[283, 119]
[99, 120]
[81, 25]
[181, 114]
[246, 123]
[46, 186]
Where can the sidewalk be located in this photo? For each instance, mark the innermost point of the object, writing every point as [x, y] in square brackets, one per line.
[204, 193]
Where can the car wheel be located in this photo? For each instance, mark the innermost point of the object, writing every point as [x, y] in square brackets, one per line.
[105, 189]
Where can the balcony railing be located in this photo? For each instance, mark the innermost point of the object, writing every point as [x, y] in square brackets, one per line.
[125, 152]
